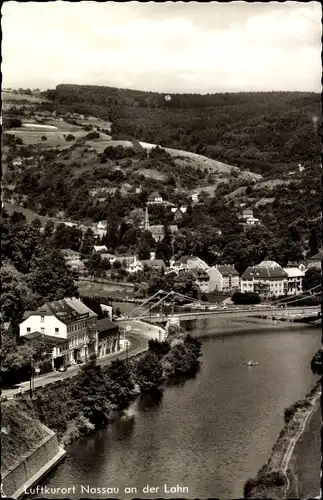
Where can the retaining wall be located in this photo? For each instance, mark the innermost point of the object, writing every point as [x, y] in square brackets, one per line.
[32, 466]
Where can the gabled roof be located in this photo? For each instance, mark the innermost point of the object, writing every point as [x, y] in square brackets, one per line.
[154, 195]
[48, 339]
[227, 270]
[155, 263]
[129, 259]
[70, 310]
[100, 248]
[106, 324]
[159, 229]
[268, 263]
[294, 272]
[66, 310]
[258, 272]
[316, 257]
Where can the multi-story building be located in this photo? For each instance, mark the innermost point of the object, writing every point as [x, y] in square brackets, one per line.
[108, 337]
[68, 325]
[294, 280]
[187, 263]
[223, 278]
[201, 279]
[267, 279]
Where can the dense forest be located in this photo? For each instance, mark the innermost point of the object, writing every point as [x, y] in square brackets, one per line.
[266, 132]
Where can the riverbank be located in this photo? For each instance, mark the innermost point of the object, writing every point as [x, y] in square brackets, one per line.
[309, 320]
[76, 406]
[273, 479]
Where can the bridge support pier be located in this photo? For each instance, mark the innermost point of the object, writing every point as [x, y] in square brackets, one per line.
[172, 326]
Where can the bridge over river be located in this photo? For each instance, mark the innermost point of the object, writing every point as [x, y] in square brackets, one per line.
[243, 312]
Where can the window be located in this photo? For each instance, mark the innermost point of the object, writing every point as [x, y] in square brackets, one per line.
[42, 330]
[56, 330]
[28, 329]
[42, 319]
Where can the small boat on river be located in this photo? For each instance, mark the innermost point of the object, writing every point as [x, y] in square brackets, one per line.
[252, 363]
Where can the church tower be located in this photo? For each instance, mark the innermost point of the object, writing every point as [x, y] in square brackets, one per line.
[146, 223]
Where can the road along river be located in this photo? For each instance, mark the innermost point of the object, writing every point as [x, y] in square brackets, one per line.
[208, 435]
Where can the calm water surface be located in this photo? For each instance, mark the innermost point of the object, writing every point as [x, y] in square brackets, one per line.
[210, 434]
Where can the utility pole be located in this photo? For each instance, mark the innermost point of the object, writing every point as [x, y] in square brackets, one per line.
[31, 376]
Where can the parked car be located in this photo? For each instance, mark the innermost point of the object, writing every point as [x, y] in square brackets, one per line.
[62, 368]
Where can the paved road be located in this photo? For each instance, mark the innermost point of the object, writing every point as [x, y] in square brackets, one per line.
[138, 337]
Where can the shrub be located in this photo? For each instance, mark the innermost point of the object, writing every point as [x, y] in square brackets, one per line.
[43, 138]
[70, 138]
[92, 135]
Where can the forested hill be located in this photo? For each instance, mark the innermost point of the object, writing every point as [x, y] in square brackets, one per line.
[267, 132]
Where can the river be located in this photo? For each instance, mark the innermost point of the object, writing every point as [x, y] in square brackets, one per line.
[208, 435]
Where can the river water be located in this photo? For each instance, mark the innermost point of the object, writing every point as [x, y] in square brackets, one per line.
[208, 435]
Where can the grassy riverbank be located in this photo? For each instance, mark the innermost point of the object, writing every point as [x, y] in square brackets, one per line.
[76, 406]
[273, 479]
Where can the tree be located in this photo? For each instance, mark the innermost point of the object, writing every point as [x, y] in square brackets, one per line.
[14, 360]
[313, 243]
[158, 348]
[50, 278]
[94, 264]
[245, 298]
[88, 242]
[36, 224]
[312, 279]
[148, 372]
[89, 395]
[49, 229]
[146, 245]
[164, 247]
[119, 383]
[16, 296]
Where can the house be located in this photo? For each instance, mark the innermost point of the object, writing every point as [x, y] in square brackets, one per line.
[109, 256]
[68, 325]
[223, 278]
[247, 213]
[70, 255]
[130, 263]
[157, 264]
[248, 218]
[202, 279]
[189, 262]
[100, 248]
[17, 162]
[178, 212]
[157, 231]
[267, 278]
[315, 261]
[108, 337]
[102, 224]
[154, 198]
[294, 280]
[73, 260]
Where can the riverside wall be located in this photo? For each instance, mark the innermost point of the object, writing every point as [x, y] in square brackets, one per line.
[33, 466]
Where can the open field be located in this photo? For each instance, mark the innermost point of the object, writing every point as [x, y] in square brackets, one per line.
[54, 138]
[197, 160]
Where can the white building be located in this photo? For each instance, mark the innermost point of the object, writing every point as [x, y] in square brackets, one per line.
[294, 280]
[155, 198]
[68, 325]
[223, 278]
[267, 279]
